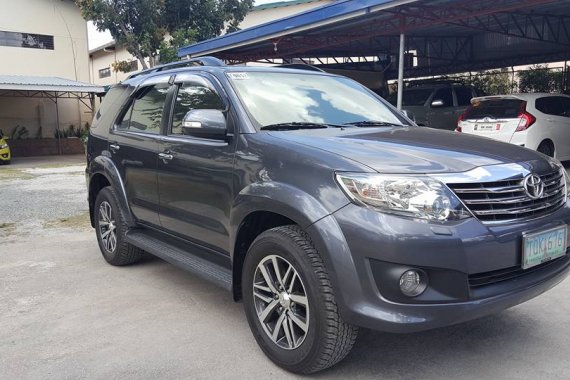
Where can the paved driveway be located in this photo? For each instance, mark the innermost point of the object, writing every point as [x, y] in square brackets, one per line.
[65, 314]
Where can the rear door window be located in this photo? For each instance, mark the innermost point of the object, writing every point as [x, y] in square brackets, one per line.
[495, 109]
[145, 113]
[463, 95]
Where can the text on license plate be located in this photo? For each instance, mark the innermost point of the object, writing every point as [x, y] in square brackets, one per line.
[540, 247]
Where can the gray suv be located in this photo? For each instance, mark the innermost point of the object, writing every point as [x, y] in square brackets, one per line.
[319, 205]
[437, 104]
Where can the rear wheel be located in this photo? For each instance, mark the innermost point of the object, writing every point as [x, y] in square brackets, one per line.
[111, 230]
[547, 148]
[290, 305]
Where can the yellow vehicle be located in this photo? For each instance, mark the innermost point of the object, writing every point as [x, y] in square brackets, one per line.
[5, 155]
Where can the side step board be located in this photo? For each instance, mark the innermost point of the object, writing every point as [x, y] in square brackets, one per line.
[205, 269]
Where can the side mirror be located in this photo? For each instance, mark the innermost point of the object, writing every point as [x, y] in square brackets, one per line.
[437, 103]
[1, 133]
[409, 115]
[209, 124]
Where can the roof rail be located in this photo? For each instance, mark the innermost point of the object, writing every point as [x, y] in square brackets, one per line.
[301, 66]
[202, 61]
[434, 81]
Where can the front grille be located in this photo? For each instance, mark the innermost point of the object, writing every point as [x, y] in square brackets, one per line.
[507, 200]
[488, 278]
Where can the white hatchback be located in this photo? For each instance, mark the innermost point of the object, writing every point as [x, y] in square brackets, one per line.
[536, 121]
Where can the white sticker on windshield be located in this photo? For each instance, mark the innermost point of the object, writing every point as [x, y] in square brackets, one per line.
[238, 76]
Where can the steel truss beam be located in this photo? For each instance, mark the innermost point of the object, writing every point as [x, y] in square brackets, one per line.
[84, 97]
[407, 18]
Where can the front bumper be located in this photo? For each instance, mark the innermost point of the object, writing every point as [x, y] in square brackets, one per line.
[366, 252]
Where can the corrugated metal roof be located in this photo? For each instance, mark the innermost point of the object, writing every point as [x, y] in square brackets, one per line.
[34, 83]
[341, 10]
[280, 4]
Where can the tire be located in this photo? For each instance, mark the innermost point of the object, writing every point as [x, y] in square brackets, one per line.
[113, 245]
[327, 339]
[546, 148]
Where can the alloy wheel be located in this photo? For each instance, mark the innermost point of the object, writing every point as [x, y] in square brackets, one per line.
[107, 227]
[281, 302]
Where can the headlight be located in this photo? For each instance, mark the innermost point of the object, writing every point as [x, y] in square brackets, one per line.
[411, 196]
[3, 146]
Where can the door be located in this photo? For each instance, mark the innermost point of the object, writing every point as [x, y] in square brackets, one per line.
[195, 178]
[134, 144]
[441, 114]
[556, 125]
[463, 96]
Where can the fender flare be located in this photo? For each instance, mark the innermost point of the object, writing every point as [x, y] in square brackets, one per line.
[275, 197]
[103, 165]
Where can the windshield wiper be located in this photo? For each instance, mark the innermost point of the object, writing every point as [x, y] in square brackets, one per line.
[370, 123]
[292, 126]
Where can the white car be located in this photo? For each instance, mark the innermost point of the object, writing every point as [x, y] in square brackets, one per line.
[536, 121]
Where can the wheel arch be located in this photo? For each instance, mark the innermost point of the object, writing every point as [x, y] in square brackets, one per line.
[263, 206]
[102, 172]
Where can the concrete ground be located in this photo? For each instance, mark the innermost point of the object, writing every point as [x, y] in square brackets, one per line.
[66, 314]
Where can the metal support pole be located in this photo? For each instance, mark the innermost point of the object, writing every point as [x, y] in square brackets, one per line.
[57, 126]
[401, 71]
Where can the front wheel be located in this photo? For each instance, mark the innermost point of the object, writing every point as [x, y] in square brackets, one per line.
[111, 230]
[290, 305]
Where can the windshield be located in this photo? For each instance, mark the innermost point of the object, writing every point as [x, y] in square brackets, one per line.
[279, 98]
[495, 109]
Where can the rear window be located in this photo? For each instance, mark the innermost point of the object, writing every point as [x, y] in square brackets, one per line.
[495, 109]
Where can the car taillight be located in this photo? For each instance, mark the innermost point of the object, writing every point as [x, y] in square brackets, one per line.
[526, 119]
[461, 118]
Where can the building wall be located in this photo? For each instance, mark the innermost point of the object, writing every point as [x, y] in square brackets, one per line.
[103, 59]
[69, 59]
[265, 14]
[57, 18]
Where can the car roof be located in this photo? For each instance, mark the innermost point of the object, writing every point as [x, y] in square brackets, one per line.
[136, 79]
[519, 96]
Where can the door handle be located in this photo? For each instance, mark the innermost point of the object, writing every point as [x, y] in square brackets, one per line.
[165, 157]
[114, 147]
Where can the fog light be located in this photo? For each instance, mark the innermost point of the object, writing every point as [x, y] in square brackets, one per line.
[413, 283]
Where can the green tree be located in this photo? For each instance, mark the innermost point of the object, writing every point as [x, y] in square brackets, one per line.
[169, 47]
[141, 25]
[539, 78]
[138, 25]
[207, 18]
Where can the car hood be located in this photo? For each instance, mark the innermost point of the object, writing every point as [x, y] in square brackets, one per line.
[411, 150]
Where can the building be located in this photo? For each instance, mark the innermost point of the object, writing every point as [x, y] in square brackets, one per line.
[44, 67]
[103, 57]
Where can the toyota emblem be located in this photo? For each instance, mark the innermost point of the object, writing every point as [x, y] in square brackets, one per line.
[533, 186]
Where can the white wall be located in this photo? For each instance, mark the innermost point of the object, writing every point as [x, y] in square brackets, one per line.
[104, 59]
[260, 16]
[57, 18]
[69, 59]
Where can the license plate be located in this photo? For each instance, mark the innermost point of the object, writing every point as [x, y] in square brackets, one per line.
[485, 127]
[543, 246]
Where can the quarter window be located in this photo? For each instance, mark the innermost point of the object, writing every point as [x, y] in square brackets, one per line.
[554, 105]
[145, 113]
[193, 96]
